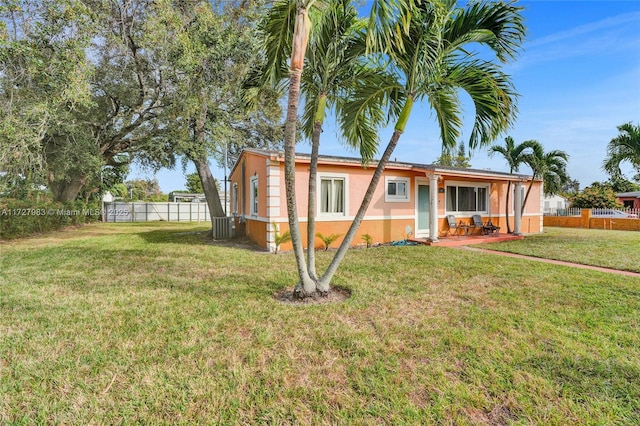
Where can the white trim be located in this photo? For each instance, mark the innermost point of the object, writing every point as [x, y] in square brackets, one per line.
[253, 196]
[320, 216]
[397, 198]
[284, 219]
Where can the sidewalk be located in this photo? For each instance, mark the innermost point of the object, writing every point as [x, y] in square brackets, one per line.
[555, 262]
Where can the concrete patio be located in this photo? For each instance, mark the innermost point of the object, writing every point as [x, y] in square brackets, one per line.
[465, 240]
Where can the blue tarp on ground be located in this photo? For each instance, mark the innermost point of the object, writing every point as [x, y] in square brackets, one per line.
[404, 243]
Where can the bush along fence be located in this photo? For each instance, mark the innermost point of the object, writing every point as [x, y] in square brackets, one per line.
[21, 218]
[612, 219]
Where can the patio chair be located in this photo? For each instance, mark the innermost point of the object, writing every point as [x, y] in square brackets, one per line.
[476, 223]
[453, 226]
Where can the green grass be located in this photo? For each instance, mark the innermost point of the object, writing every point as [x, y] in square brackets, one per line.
[153, 324]
[596, 247]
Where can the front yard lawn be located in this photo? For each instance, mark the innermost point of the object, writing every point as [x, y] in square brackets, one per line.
[596, 247]
[154, 324]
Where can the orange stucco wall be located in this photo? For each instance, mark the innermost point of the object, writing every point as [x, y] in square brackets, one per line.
[256, 231]
[385, 220]
[381, 231]
[254, 165]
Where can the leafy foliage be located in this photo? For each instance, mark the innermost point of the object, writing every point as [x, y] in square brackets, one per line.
[550, 166]
[623, 148]
[596, 196]
[457, 159]
[279, 238]
[22, 218]
[328, 239]
[144, 190]
[368, 239]
[194, 184]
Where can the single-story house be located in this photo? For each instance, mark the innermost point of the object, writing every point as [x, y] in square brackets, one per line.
[631, 200]
[554, 203]
[411, 200]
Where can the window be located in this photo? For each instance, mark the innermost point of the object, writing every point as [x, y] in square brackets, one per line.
[253, 187]
[332, 195]
[234, 194]
[467, 198]
[397, 189]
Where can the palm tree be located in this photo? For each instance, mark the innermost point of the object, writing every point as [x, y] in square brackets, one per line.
[431, 60]
[286, 28]
[550, 166]
[334, 62]
[624, 147]
[515, 156]
[425, 45]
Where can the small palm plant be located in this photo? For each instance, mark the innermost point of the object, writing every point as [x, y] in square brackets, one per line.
[328, 239]
[279, 239]
[367, 239]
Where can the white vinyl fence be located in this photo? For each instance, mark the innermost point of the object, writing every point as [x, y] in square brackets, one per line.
[619, 213]
[119, 211]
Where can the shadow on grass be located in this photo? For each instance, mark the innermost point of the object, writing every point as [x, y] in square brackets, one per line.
[200, 237]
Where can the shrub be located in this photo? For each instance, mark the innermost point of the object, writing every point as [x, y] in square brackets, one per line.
[279, 239]
[328, 239]
[21, 218]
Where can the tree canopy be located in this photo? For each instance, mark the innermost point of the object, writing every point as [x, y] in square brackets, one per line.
[91, 84]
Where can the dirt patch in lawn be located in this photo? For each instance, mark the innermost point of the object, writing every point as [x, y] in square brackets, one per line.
[335, 295]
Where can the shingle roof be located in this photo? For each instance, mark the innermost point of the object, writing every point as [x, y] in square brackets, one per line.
[629, 194]
[356, 161]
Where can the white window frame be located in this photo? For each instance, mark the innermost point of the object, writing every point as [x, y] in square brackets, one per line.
[345, 204]
[395, 198]
[253, 195]
[476, 186]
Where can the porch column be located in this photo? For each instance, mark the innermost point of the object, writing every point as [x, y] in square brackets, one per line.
[433, 208]
[517, 207]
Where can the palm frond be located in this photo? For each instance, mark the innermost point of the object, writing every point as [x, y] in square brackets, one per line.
[624, 147]
[375, 98]
[445, 102]
[493, 96]
[499, 25]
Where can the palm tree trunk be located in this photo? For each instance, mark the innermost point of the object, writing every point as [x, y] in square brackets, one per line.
[526, 196]
[324, 283]
[311, 213]
[306, 286]
[313, 173]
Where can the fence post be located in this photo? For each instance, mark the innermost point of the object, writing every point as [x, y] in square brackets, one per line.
[585, 220]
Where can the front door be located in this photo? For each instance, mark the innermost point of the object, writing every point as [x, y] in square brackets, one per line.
[422, 210]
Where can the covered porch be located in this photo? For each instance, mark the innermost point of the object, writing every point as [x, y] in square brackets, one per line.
[435, 202]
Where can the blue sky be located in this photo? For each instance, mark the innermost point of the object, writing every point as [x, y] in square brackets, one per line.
[578, 79]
